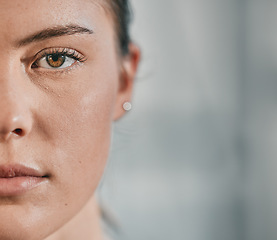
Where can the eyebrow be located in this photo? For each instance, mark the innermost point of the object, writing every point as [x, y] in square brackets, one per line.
[56, 31]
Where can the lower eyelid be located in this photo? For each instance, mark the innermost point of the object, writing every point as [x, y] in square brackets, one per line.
[56, 74]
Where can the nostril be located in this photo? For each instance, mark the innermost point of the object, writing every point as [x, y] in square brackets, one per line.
[18, 131]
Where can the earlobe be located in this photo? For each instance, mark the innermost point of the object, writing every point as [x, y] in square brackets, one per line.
[129, 68]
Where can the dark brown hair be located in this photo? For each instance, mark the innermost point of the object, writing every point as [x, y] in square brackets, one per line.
[122, 14]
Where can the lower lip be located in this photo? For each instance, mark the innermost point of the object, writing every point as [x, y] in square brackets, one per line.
[19, 185]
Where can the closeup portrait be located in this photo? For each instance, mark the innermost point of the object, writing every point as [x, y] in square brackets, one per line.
[67, 74]
[138, 120]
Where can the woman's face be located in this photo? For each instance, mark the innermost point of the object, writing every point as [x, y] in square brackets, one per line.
[61, 86]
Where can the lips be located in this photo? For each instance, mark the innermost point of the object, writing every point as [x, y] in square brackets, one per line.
[18, 179]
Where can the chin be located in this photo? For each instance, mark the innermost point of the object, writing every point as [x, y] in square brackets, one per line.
[16, 224]
[17, 231]
[23, 231]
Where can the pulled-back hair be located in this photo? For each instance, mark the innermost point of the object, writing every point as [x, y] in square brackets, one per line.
[122, 14]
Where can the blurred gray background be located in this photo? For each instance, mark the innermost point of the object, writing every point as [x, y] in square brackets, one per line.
[195, 158]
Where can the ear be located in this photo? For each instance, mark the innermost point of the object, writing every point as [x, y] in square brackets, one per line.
[129, 68]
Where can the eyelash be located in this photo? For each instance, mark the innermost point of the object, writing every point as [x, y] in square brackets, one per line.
[67, 52]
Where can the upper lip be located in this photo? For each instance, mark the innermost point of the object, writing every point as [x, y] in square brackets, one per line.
[18, 170]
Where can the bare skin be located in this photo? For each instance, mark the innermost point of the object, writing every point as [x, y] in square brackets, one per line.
[57, 120]
[85, 225]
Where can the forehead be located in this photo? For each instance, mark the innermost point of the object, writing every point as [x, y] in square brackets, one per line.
[29, 16]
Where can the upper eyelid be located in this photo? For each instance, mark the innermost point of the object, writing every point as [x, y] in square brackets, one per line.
[62, 50]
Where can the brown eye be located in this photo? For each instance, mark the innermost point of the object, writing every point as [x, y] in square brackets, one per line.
[55, 60]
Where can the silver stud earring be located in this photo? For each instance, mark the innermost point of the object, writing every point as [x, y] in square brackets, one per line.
[127, 106]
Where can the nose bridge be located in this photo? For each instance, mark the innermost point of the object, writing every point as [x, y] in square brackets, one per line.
[15, 117]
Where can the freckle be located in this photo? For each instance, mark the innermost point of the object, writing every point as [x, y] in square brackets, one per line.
[66, 204]
[80, 162]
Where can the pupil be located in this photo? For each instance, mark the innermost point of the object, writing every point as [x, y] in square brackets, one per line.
[55, 57]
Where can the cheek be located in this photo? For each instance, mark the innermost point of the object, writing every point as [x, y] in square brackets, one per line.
[81, 127]
[75, 137]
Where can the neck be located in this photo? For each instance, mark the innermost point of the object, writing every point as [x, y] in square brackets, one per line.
[85, 225]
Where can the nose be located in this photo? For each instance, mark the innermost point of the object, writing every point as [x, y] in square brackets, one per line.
[15, 117]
